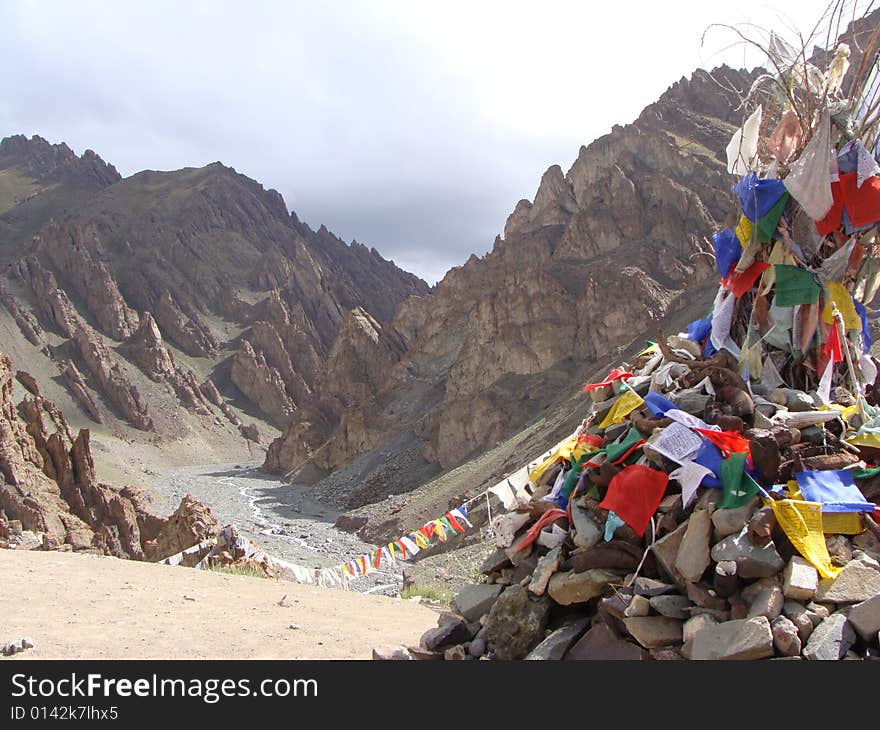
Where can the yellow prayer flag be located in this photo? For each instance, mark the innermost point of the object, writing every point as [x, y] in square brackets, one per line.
[842, 523]
[744, 231]
[623, 406]
[802, 523]
[836, 292]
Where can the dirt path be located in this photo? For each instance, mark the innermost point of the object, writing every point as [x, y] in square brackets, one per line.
[89, 607]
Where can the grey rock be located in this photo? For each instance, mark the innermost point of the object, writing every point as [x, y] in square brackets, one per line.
[477, 647]
[831, 639]
[840, 550]
[666, 654]
[474, 600]
[559, 642]
[693, 552]
[767, 600]
[744, 639]
[587, 531]
[865, 618]
[786, 637]
[817, 612]
[666, 552]
[649, 587]
[752, 561]
[858, 581]
[495, 561]
[544, 570]
[455, 653]
[601, 643]
[516, 623]
[654, 631]
[519, 551]
[695, 624]
[731, 521]
[671, 606]
[800, 579]
[800, 617]
[690, 401]
[446, 635]
[638, 606]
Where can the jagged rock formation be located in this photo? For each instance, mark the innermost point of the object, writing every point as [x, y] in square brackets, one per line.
[73, 381]
[262, 384]
[190, 334]
[103, 366]
[48, 483]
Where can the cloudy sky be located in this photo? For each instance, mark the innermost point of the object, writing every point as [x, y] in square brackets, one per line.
[413, 126]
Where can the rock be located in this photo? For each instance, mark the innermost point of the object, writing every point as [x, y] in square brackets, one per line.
[865, 618]
[391, 653]
[516, 623]
[671, 606]
[800, 579]
[649, 587]
[831, 639]
[666, 552]
[520, 551]
[869, 543]
[262, 384]
[586, 530]
[744, 639]
[695, 624]
[447, 634]
[546, 567]
[507, 526]
[421, 654]
[495, 561]
[146, 349]
[477, 648]
[693, 552]
[786, 637]
[800, 617]
[638, 606]
[76, 386]
[839, 549]
[654, 631]
[558, 642]
[857, 582]
[250, 431]
[474, 600]
[192, 523]
[817, 612]
[187, 332]
[105, 368]
[731, 521]
[666, 654]
[601, 643]
[613, 555]
[569, 587]
[455, 653]
[725, 580]
[765, 598]
[703, 597]
[761, 525]
[752, 561]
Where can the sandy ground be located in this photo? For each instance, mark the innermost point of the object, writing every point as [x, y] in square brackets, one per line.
[89, 607]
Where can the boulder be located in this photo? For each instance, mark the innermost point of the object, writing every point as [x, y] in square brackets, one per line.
[546, 567]
[786, 637]
[695, 624]
[475, 600]
[601, 643]
[831, 639]
[800, 579]
[654, 631]
[749, 638]
[858, 581]
[558, 642]
[731, 521]
[587, 531]
[865, 618]
[516, 623]
[752, 561]
[693, 552]
[569, 587]
[671, 606]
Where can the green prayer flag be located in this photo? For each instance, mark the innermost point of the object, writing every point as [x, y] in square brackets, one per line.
[765, 227]
[865, 473]
[572, 479]
[795, 285]
[738, 486]
[614, 451]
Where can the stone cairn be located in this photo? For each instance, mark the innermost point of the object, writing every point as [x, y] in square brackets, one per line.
[781, 372]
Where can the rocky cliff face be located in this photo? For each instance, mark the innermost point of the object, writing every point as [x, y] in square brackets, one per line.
[600, 253]
[200, 279]
[48, 485]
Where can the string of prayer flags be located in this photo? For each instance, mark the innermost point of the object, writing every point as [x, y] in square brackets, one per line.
[612, 377]
[625, 404]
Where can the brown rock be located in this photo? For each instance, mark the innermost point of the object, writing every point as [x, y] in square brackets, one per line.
[73, 381]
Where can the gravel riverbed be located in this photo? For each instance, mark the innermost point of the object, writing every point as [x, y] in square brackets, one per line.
[279, 517]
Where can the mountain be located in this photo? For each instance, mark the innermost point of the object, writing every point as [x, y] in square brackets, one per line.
[174, 304]
[601, 254]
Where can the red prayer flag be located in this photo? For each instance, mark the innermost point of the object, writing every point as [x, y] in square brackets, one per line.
[616, 374]
[456, 525]
[832, 347]
[634, 495]
[551, 515]
[726, 441]
[740, 283]
[590, 439]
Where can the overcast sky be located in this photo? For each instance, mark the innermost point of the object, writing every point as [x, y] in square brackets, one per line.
[412, 126]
